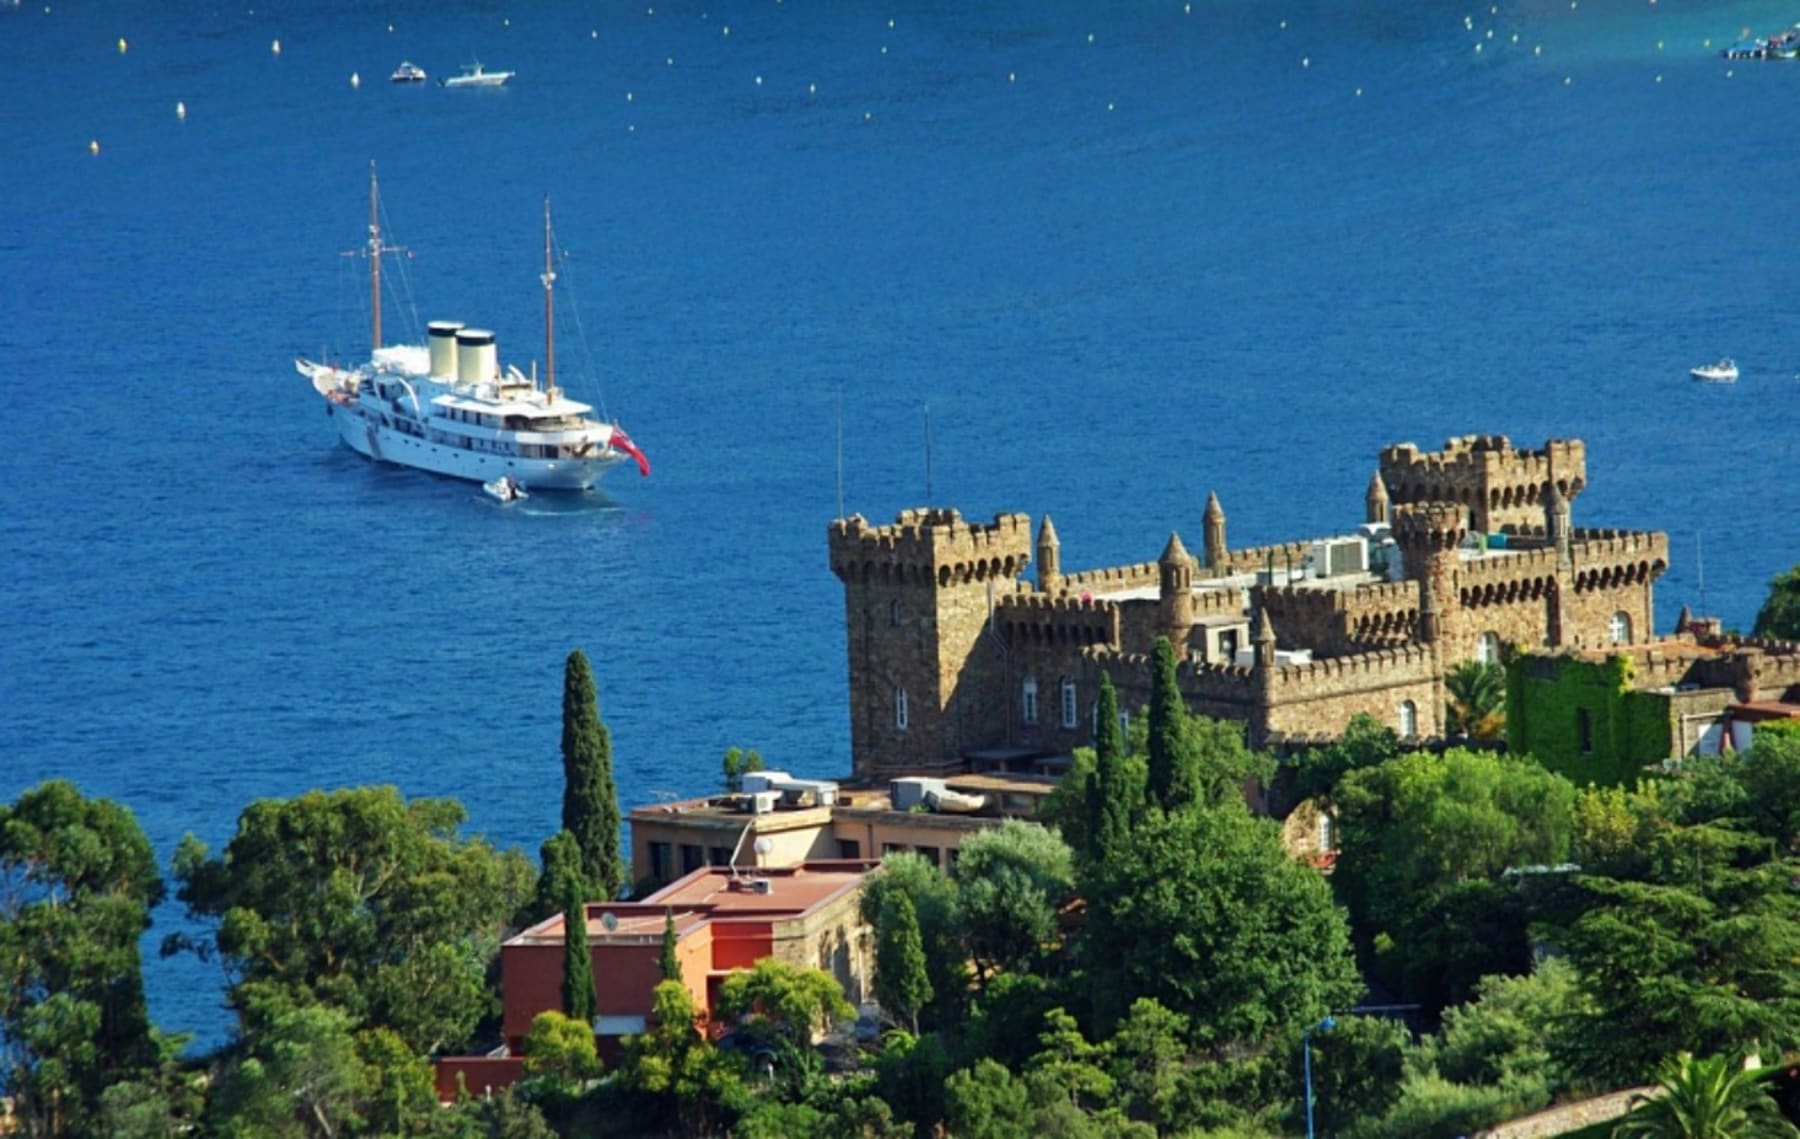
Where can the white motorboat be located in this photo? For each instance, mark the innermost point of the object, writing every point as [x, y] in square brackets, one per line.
[1724, 372]
[505, 489]
[474, 75]
[408, 72]
[448, 407]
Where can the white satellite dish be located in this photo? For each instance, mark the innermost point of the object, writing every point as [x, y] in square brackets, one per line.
[764, 845]
[608, 922]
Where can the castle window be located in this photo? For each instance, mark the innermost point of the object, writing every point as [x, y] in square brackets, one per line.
[1071, 711]
[1487, 650]
[900, 709]
[894, 612]
[1409, 720]
[1228, 645]
[1619, 628]
[1028, 700]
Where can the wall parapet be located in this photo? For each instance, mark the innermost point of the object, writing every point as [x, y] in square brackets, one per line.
[1111, 578]
[1387, 666]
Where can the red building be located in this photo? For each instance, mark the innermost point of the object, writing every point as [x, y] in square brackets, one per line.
[725, 920]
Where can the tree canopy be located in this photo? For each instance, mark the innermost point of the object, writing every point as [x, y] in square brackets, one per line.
[360, 901]
[1011, 882]
[1779, 616]
[590, 796]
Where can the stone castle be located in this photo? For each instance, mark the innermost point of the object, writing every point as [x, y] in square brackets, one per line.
[953, 655]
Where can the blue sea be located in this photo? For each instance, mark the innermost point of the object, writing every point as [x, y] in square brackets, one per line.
[1126, 253]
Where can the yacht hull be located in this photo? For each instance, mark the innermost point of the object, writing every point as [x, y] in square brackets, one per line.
[388, 445]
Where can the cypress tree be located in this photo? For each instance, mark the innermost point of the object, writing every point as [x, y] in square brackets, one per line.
[578, 965]
[1174, 770]
[560, 862]
[590, 798]
[669, 962]
[1109, 809]
[902, 984]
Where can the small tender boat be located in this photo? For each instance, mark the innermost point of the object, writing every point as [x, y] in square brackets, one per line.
[505, 489]
[1724, 372]
[474, 75]
[408, 72]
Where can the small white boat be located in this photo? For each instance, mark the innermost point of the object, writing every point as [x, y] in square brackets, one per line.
[408, 72]
[1724, 372]
[474, 75]
[954, 802]
[505, 489]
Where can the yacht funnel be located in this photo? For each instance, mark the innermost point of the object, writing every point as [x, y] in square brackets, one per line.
[442, 339]
[477, 358]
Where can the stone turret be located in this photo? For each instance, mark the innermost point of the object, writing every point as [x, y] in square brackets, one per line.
[1428, 534]
[1049, 555]
[1685, 619]
[1175, 592]
[1262, 638]
[1558, 526]
[1213, 526]
[1375, 500]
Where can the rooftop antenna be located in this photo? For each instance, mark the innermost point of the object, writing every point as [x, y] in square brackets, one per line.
[840, 450]
[1700, 563]
[928, 495]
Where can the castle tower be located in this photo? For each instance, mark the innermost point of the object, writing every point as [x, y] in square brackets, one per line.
[1049, 556]
[1428, 534]
[1375, 501]
[1213, 527]
[928, 682]
[1175, 593]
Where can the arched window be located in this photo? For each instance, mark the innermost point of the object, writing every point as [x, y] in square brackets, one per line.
[1071, 711]
[900, 709]
[894, 612]
[1409, 720]
[1028, 700]
[1487, 649]
[1619, 628]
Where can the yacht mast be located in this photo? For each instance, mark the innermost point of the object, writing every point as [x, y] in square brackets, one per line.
[374, 259]
[549, 280]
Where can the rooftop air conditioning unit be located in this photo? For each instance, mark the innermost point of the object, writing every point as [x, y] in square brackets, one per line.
[763, 780]
[763, 802]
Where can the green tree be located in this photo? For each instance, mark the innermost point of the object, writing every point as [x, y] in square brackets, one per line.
[1207, 914]
[302, 1077]
[901, 983]
[1424, 842]
[360, 901]
[737, 764]
[398, 1093]
[590, 798]
[934, 901]
[1069, 1063]
[987, 1102]
[1708, 1098]
[668, 963]
[503, 1115]
[911, 1073]
[1366, 742]
[578, 961]
[774, 1000]
[77, 882]
[1147, 1058]
[560, 1052]
[1174, 769]
[1114, 801]
[1011, 882]
[1503, 1038]
[1477, 705]
[560, 859]
[1779, 616]
[674, 1064]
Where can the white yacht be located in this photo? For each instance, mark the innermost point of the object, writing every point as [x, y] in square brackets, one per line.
[449, 408]
[1724, 372]
[474, 75]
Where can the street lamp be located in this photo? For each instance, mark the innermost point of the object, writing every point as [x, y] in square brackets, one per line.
[1325, 1025]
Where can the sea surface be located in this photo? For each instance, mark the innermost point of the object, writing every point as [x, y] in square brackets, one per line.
[1117, 255]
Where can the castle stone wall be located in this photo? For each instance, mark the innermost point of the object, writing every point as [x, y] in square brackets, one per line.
[1498, 484]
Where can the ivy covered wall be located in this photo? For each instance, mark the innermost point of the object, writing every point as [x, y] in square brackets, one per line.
[1582, 720]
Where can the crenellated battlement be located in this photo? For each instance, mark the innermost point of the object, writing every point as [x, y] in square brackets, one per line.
[1253, 558]
[1064, 619]
[1378, 667]
[1112, 579]
[1435, 526]
[932, 545]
